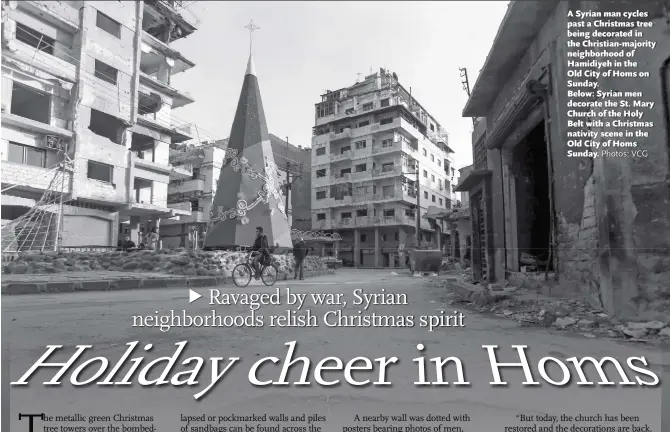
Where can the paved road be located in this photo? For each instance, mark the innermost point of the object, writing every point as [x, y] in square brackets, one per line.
[105, 321]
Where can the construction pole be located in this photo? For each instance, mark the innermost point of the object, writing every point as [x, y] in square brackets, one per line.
[288, 181]
[59, 224]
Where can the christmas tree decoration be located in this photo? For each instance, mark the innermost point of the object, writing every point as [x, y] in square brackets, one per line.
[247, 192]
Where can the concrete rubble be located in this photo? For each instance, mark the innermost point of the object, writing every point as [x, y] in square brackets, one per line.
[168, 261]
[533, 309]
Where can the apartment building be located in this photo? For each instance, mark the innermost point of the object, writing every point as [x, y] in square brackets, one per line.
[196, 193]
[89, 82]
[367, 141]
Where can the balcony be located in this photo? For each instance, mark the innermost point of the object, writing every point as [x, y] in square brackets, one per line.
[155, 52]
[168, 20]
[323, 224]
[321, 181]
[36, 179]
[181, 208]
[140, 162]
[187, 185]
[395, 146]
[334, 157]
[334, 137]
[342, 201]
[179, 98]
[181, 172]
[381, 172]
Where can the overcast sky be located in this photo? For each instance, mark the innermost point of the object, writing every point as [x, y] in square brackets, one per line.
[304, 48]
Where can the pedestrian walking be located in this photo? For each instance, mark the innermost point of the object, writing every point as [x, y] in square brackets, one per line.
[152, 239]
[300, 251]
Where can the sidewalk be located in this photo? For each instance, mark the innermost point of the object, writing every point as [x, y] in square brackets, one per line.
[16, 284]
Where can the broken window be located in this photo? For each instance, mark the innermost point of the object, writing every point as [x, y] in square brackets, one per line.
[105, 72]
[321, 173]
[142, 146]
[107, 126]
[34, 38]
[26, 155]
[109, 25]
[100, 171]
[195, 205]
[361, 167]
[368, 106]
[31, 103]
[321, 216]
[149, 103]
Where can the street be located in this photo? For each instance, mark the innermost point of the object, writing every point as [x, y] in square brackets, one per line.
[104, 320]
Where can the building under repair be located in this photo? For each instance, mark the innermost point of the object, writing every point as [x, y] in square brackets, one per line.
[599, 225]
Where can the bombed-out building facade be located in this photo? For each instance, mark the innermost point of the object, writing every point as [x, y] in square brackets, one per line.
[598, 226]
[87, 107]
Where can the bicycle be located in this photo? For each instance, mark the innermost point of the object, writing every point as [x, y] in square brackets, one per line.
[243, 272]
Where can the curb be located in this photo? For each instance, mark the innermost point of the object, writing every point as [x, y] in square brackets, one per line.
[28, 288]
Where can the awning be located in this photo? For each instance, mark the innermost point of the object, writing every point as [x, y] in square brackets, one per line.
[472, 179]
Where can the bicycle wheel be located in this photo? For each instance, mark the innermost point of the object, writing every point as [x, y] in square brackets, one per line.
[242, 275]
[269, 275]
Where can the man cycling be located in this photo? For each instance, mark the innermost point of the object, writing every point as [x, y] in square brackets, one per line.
[261, 246]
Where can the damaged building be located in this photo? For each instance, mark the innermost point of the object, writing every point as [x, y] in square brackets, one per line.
[596, 226]
[86, 97]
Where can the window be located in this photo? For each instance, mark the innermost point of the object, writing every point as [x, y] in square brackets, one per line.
[107, 126]
[433, 198]
[395, 236]
[321, 195]
[321, 151]
[363, 124]
[361, 213]
[343, 150]
[345, 215]
[384, 102]
[432, 158]
[432, 127]
[349, 111]
[35, 39]
[321, 173]
[368, 106]
[105, 72]
[387, 143]
[345, 171]
[440, 183]
[100, 171]
[195, 205]
[425, 194]
[389, 213]
[360, 144]
[440, 201]
[26, 155]
[386, 121]
[439, 163]
[321, 216]
[425, 153]
[425, 173]
[30, 103]
[325, 109]
[361, 168]
[387, 167]
[107, 24]
[432, 178]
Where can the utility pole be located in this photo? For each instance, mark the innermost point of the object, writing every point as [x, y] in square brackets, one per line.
[466, 85]
[418, 185]
[289, 181]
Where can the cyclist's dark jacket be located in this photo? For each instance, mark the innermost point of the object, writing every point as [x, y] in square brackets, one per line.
[261, 245]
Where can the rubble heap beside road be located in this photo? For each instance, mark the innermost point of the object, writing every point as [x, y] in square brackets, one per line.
[568, 314]
[167, 261]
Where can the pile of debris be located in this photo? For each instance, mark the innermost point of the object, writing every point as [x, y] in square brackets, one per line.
[565, 314]
[168, 261]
